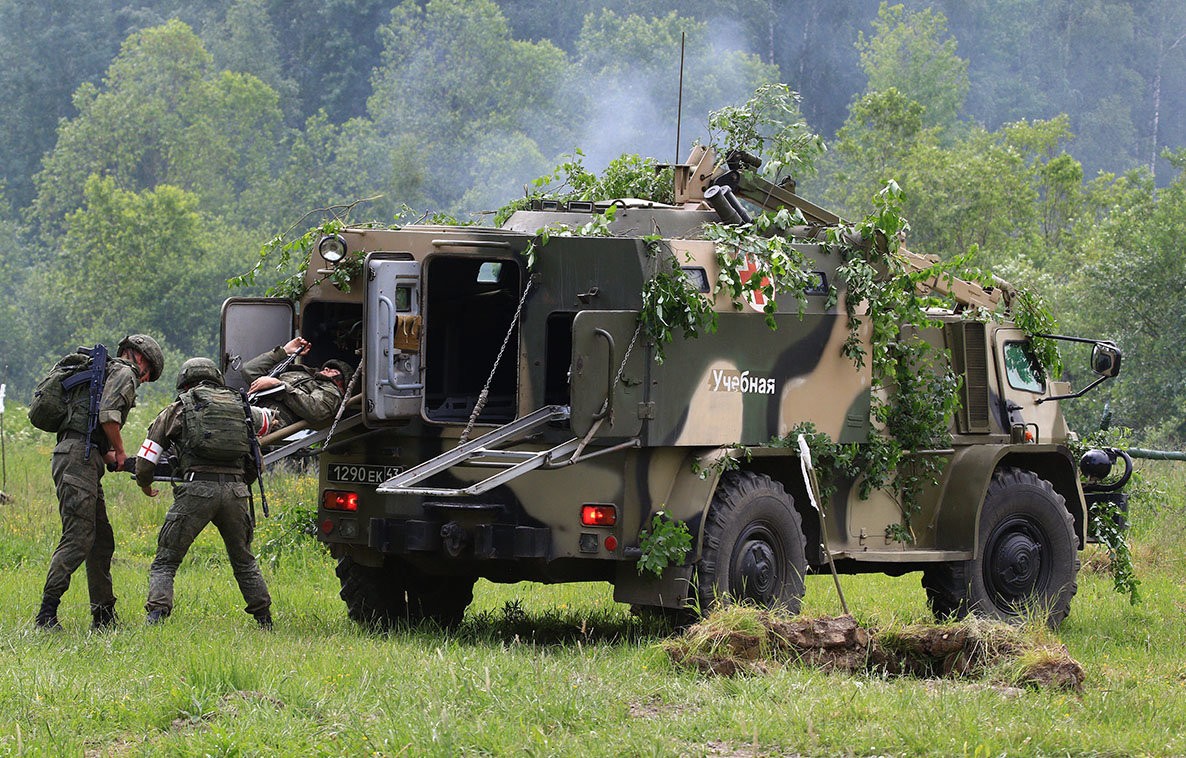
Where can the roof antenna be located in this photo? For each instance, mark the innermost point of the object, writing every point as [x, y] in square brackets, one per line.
[679, 108]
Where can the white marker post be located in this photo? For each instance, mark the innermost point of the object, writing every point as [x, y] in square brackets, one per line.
[813, 497]
[4, 497]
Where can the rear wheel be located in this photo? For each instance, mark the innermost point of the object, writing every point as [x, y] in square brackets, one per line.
[374, 595]
[439, 599]
[754, 548]
[1027, 557]
[382, 596]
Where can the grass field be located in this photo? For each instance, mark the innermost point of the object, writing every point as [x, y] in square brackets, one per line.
[533, 669]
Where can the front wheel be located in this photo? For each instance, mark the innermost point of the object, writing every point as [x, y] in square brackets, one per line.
[1027, 557]
[754, 549]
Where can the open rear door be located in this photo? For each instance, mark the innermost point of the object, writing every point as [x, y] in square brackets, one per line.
[600, 341]
[250, 326]
[392, 388]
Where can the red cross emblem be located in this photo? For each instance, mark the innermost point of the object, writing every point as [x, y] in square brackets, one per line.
[755, 298]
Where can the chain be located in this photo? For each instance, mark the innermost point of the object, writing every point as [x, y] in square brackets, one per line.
[342, 406]
[485, 393]
[621, 369]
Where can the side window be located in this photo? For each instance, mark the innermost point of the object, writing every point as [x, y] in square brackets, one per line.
[1022, 368]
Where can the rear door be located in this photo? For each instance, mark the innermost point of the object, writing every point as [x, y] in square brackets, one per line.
[251, 326]
[392, 385]
[603, 343]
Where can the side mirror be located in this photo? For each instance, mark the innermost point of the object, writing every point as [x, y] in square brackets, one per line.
[1105, 359]
[1105, 362]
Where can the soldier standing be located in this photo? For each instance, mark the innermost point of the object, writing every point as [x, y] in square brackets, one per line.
[208, 427]
[86, 532]
[297, 393]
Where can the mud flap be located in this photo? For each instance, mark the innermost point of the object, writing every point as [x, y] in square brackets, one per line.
[669, 590]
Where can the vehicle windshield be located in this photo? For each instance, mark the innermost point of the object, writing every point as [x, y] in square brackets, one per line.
[1022, 368]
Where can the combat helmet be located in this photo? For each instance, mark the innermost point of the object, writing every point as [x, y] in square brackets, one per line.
[147, 347]
[342, 367]
[197, 370]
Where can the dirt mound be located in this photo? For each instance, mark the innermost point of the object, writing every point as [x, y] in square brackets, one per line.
[745, 640]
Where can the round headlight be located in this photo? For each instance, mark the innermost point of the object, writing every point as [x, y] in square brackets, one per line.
[1096, 464]
[332, 248]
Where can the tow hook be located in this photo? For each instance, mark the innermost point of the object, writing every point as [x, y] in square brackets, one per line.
[455, 538]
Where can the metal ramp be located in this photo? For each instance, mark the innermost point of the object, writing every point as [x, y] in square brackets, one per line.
[487, 451]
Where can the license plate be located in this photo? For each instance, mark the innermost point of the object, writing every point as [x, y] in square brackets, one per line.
[360, 473]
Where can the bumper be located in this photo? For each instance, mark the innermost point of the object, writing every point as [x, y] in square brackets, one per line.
[457, 540]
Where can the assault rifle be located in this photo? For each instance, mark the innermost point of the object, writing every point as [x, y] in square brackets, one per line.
[163, 472]
[97, 376]
[256, 455]
[279, 369]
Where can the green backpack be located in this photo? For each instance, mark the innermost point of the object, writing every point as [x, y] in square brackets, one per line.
[52, 404]
[215, 427]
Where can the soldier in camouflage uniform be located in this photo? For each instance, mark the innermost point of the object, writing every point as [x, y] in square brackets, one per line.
[303, 394]
[214, 486]
[86, 532]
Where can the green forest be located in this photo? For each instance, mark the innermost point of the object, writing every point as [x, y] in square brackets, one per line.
[148, 150]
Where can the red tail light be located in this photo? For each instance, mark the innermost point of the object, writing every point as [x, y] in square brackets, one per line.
[339, 500]
[598, 514]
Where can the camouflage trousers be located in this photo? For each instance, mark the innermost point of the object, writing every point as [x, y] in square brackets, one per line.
[86, 533]
[196, 504]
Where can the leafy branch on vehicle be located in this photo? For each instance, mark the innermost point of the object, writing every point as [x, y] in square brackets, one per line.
[758, 260]
[769, 124]
[289, 257]
[732, 459]
[1032, 315]
[1106, 525]
[1106, 521]
[627, 176]
[671, 301]
[665, 542]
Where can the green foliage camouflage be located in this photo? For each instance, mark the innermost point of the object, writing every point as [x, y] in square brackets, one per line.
[167, 146]
[665, 542]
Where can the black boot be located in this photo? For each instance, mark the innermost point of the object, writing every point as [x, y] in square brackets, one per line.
[156, 617]
[47, 617]
[264, 619]
[103, 617]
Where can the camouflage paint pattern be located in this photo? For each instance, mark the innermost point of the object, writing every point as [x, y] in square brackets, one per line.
[744, 384]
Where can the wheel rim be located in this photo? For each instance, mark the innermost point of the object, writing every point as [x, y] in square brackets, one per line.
[1015, 568]
[756, 567]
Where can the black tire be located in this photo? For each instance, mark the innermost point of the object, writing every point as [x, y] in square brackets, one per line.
[754, 549]
[374, 595]
[380, 597]
[1028, 558]
[441, 600]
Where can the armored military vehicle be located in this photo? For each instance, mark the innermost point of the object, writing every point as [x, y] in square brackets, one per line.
[509, 420]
